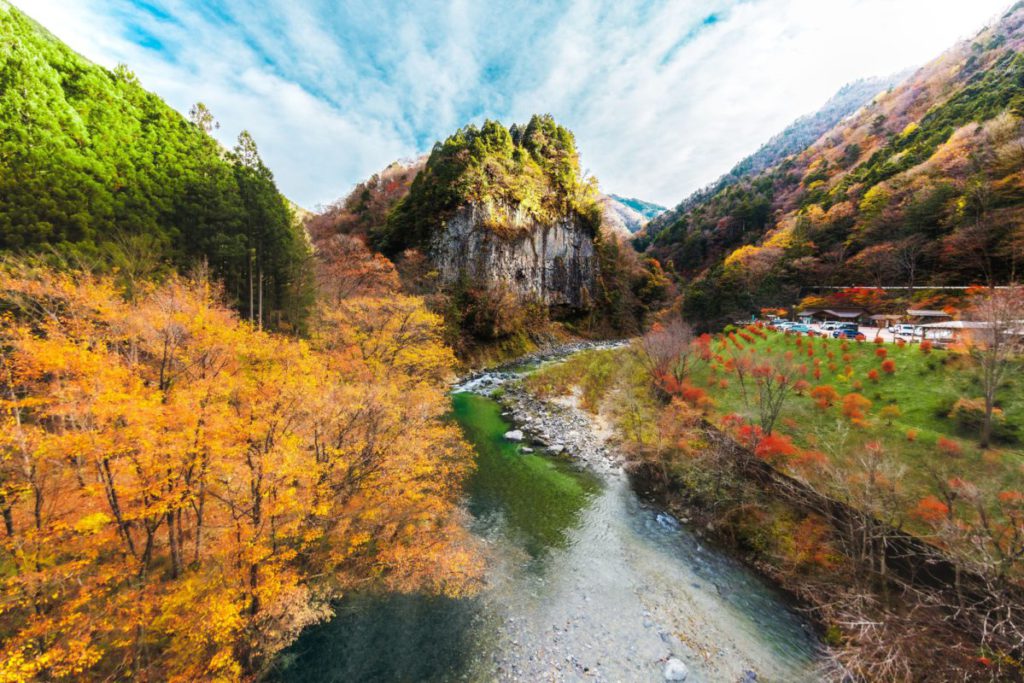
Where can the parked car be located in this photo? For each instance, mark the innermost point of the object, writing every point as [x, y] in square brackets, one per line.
[800, 328]
[829, 326]
[904, 331]
[784, 325]
[847, 333]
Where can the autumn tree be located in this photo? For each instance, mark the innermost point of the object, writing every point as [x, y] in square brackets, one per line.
[997, 343]
[665, 350]
[775, 379]
[182, 493]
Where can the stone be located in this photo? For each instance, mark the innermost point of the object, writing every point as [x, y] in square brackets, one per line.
[555, 263]
[557, 448]
[675, 670]
[514, 435]
[527, 449]
[748, 677]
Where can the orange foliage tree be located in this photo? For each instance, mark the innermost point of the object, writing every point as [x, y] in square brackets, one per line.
[183, 493]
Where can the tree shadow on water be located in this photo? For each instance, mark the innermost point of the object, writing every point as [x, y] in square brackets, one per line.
[389, 637]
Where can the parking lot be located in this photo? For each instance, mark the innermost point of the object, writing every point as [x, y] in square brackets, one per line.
[870, 333]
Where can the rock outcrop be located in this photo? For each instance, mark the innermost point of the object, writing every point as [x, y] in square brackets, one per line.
[554, 263]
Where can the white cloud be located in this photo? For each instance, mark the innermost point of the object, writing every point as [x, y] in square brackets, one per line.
[661, 104]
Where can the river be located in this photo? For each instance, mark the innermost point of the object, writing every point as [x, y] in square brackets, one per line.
[585, 582]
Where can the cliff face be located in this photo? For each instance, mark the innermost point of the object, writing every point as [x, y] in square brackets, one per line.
[554, 263]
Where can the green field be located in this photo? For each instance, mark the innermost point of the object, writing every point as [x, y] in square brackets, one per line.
[885, 461]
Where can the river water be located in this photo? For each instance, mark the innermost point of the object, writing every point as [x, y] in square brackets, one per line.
[585, 582]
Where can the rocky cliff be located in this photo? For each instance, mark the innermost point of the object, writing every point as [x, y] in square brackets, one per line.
[552, 261]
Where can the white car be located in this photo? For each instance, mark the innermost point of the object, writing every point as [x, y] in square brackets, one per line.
[905, 331]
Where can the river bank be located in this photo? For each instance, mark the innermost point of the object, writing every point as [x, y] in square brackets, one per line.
[884, 619]
[585, 580]
[561, 427]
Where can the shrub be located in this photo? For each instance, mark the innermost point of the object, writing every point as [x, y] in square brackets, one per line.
[857, 385]
[911, 435]
[855, 406]
[969, 413]
[926, 346]
[847, 357]
[930, 510]
[881, 353]
[879, 341]
[774, 447]
[824, 396]
[889, 366]
[900, 343]
[889, 413]
[800, 386]
[832, 367]
[817, 372]
[948, 447]
[873, 375]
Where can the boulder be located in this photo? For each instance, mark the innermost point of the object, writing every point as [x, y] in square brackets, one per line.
[675, 670]
[514, 435]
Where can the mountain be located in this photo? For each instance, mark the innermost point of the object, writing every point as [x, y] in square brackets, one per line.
[499, 229]
[101, 171]
[626, 217]
[921, 186]
[648, 210]
[795, 138]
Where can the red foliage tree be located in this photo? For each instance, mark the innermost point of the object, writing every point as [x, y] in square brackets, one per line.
[931, 510]
[824, 396]
[855, 406]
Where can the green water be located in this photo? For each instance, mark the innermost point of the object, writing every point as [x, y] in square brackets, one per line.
[585, 582]
[533, 500]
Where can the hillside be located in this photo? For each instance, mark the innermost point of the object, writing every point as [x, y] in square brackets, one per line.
[794, 139]
[922, 186]
[101, 171]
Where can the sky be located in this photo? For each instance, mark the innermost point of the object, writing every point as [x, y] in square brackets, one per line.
[663, 95]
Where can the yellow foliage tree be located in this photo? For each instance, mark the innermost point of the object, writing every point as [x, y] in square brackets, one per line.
[182, 493]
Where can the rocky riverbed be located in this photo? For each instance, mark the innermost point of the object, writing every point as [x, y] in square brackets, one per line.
[685, 621]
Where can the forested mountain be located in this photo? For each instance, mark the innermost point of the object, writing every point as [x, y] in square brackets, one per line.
[102, 171]
[794, 139]
[499, 229]
[922, 186]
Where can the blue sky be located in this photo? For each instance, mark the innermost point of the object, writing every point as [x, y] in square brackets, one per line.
[663, 95]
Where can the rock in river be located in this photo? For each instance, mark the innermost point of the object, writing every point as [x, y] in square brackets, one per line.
[675, 670]
[514, 435]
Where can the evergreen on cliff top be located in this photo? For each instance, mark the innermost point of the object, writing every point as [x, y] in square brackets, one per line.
[534, 168]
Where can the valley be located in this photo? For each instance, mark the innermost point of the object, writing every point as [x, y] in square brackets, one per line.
[481, 417]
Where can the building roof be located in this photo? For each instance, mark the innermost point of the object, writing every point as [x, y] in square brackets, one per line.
[958, 325]
[845, 313]
[926, 313]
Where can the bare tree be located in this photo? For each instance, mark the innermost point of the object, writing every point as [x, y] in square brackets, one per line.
[908, 254]
[774, 379]
[996, 343]
[665, 349]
